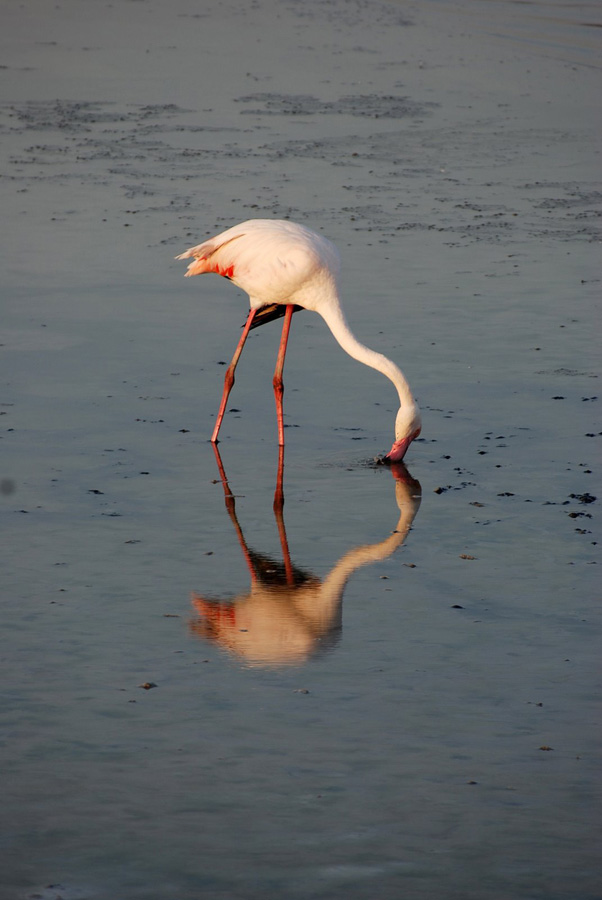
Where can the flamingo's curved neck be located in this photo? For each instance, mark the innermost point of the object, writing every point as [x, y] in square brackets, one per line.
[334, 317]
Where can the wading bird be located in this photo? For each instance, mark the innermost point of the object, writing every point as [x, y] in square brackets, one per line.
[284, 267]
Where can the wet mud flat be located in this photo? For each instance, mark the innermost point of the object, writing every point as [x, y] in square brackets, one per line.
[237, 676]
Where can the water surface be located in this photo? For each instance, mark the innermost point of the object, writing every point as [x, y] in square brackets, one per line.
[357, 694]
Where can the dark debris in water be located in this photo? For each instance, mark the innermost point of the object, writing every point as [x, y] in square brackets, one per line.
[378, 461]
[452, 487]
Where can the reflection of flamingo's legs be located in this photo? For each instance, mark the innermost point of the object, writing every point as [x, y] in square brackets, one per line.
[278, 508]
[278, 385]
[228, 495]
[229, 377]
[230, 506]
[279, 492]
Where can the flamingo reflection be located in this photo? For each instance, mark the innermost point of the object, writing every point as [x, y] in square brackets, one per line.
[289, 614]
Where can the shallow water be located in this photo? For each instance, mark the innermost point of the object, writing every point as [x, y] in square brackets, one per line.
[360, 694]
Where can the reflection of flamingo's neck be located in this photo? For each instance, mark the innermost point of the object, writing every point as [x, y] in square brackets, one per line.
[408, 496]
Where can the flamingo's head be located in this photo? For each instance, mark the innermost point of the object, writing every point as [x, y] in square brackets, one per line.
[408, 425]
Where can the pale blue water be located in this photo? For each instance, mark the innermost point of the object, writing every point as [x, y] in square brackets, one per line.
[409, 718]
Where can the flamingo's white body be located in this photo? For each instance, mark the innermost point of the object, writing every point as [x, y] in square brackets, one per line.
[283, 266]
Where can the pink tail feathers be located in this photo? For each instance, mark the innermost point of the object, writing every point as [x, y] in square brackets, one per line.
[198, 267]
[205, 263]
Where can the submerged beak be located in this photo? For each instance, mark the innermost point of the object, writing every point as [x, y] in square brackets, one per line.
[399, 448]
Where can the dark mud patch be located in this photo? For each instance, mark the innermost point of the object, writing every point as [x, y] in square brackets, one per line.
[141, 150]
[412, 179]
[351, 14]
[372, 106]
[77, 116]
[567, 373]
[451, 190]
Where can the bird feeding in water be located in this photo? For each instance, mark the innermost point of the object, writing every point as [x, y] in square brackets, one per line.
[284, 267]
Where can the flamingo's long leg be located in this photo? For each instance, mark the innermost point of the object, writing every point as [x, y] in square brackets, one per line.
[229, 377]
[277, 382]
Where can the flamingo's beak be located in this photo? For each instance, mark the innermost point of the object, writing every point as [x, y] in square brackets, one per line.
[399, 449]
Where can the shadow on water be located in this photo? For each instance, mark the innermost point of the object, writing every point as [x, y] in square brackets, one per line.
[289, 615]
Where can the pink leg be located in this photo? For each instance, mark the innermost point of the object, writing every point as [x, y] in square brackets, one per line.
[229, 378]
[278, 385]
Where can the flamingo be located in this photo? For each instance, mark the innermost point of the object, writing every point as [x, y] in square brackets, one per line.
[284, 267]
